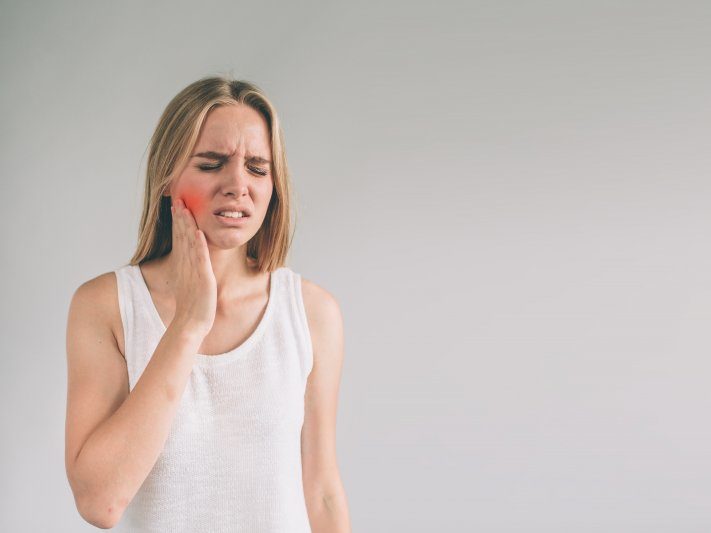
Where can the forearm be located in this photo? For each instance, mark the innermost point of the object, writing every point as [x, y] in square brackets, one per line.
[118, 456]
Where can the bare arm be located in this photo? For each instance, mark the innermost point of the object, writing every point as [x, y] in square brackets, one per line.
[114, 438]
[326, 500]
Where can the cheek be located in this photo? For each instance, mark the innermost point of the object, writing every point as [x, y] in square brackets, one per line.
[194, 200]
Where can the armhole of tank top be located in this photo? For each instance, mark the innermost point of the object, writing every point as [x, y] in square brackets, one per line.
[121, 289]
[298, 292]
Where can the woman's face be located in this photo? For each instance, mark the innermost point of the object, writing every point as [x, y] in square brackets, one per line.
[230, 166]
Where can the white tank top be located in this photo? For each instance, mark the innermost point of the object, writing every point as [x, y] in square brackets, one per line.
[232, 460]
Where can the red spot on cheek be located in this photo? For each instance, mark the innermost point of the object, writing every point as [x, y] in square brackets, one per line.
[194, 202]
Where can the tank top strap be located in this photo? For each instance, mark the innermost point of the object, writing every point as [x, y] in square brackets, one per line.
[124, 300]
[293, 302]
[140, 333]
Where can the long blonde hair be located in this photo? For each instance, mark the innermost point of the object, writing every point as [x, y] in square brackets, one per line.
[172, 143]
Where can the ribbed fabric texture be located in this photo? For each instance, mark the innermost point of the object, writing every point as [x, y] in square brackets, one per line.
[232, 461]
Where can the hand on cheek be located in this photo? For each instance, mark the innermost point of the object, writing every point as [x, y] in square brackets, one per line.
[193, 202]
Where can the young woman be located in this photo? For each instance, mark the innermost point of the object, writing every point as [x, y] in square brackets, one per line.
[203, 376]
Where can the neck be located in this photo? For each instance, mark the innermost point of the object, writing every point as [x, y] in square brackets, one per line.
[234, 275]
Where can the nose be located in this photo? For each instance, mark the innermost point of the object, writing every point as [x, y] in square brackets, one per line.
[235, 179]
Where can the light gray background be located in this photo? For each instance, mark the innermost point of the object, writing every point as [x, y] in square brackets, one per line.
[510, 200]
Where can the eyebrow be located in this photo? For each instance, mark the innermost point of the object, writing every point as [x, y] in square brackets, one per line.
[217, 156]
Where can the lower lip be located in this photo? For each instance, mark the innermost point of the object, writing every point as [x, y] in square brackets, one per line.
[227, 221]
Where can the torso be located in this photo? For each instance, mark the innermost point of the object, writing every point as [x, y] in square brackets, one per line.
[234, 321]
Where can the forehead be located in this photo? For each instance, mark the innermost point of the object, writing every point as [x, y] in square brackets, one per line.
[229, 127]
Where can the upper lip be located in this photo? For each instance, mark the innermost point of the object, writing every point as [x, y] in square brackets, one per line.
[245, 210]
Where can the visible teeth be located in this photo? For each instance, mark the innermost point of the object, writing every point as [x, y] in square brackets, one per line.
[231, 214]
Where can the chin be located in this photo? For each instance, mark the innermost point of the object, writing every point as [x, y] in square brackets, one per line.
[227, 243]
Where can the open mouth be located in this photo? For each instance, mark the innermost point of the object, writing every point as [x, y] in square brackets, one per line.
[231, 220]
[242, 215]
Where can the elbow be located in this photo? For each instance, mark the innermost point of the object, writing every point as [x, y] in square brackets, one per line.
[100, 512]
[99, 507]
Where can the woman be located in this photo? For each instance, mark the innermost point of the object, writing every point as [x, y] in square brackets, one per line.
[232, 360]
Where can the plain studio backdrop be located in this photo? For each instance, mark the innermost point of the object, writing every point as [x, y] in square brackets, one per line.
[510, 201]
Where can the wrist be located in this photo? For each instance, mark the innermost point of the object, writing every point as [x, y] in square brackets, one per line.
[186, 331]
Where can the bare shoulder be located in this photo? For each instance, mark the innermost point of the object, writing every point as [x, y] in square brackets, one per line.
[320, 304]
[325, 319]
[101, 284]
[99, 296]
[96, 293]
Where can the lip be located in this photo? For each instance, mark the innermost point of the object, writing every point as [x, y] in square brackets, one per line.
[233, 222]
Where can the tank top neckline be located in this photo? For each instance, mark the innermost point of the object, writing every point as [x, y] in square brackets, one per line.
[240, 351]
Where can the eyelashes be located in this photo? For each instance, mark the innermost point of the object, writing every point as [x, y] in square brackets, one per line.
[210, 168]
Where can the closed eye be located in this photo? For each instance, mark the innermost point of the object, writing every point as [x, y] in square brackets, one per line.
[210, 168]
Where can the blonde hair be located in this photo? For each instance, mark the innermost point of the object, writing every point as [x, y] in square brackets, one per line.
[170, 147]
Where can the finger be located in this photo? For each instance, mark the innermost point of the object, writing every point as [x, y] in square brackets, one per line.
[190, 239]
[183, 242]
[191, 259]
[198, 243]
[190, 220]
[177, 221]
[190, 226]
[174, 224]
[203, 253]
